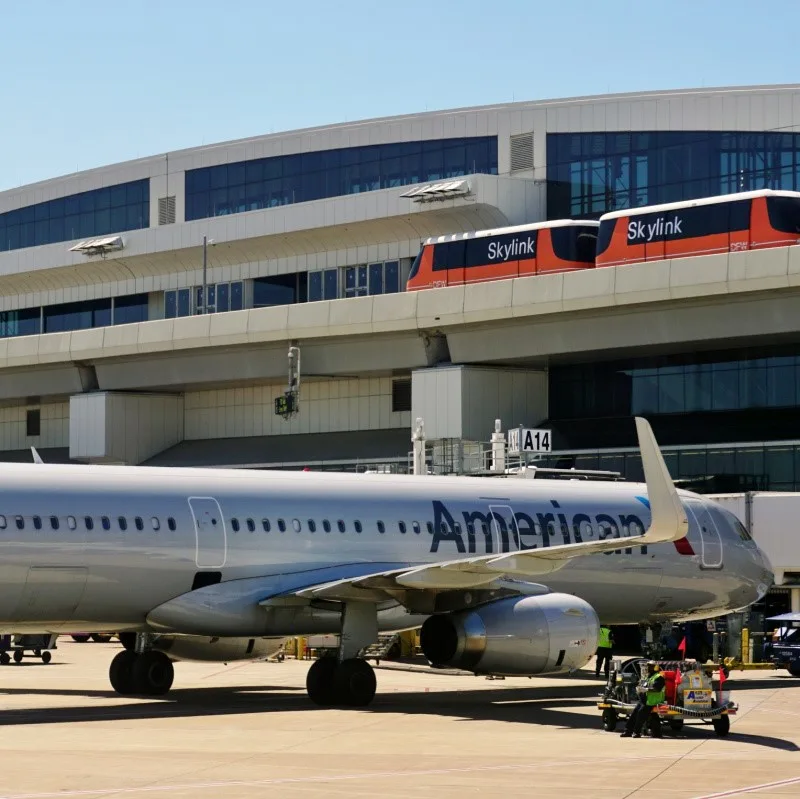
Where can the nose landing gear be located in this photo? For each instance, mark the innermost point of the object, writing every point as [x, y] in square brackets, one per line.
[143, 673]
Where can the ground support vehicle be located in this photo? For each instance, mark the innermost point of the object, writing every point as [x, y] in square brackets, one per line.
[17, 646]
[783, 651]
[690, 696]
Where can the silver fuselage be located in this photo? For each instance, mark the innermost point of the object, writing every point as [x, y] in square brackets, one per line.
[73, 577]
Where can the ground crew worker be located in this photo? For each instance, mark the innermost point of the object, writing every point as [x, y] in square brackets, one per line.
[651, 693]
[605, 648]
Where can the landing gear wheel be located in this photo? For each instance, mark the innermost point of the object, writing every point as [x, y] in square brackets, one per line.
[46, 657]
[355, 683]
[676, 725]
[152, 674]
[18, 655]
[80, 639]
[5, 658]
[319, 681]
[119, 672]
[610, 719]
[722, 725]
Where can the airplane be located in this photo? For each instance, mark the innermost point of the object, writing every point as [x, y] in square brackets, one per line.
[504, 576]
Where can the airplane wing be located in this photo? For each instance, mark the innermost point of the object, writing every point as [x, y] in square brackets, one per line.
[668, 523]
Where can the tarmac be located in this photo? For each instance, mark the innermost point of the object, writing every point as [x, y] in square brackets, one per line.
[245, 730]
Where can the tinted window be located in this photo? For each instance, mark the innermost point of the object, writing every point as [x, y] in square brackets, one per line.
[54, 522]
[326, 525]
[416, 528]
[312, 526]
[340, 524]
[171, 523]
[139, 523]
[89, 522]
[686, 223]
[415, 265]
[357, 525]
[487, 250]
[265, 525]
[106, 522]
[429, 525]
[573, 243]
[251, 525]
[450, 255]
[20, 522]
[282, 525]
[37, 522]
[784, 213]
[235, 525]
[401, 526]
[606, 231]
[123, 524]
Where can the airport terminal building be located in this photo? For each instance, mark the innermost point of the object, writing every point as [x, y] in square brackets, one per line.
[112, 351]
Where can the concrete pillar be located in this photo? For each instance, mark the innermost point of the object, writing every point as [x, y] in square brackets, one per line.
[115, 427]
[795, 597]
[418, 447]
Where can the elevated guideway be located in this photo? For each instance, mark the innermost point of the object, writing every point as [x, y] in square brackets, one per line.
[703, 301]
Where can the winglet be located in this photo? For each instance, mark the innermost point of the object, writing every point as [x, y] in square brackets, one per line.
[668, 520]
[37, 458]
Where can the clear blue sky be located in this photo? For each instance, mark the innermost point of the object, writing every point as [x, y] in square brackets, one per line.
[90, 82]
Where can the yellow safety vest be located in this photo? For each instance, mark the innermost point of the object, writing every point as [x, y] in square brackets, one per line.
[604, 640]
[654, 697]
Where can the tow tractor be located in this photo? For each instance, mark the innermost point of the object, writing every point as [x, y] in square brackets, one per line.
[783, 651]
[690, 695]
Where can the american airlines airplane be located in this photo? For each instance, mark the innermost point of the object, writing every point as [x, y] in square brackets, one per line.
[506, 576]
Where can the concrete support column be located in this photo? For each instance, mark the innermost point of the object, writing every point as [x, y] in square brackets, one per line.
[795, 597]
[115, 427]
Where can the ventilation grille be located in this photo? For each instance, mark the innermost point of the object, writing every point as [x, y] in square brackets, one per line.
[166, 210]
[401, 394]
[522, 152]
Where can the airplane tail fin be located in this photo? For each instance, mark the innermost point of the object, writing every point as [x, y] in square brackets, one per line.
[668, 520]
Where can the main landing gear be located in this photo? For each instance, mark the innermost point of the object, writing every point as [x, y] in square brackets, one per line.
[346, 679]
[141, 671]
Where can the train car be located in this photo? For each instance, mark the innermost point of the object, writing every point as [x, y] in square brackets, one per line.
[728, 223]
[559, 246]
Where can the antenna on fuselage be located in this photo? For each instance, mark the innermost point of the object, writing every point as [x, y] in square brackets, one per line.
[37, 458]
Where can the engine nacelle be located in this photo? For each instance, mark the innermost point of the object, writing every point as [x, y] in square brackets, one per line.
[519, 635]
[221, 650]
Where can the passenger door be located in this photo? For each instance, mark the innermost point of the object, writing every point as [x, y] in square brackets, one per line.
[211, 550]
[710, 539]
[505, 537]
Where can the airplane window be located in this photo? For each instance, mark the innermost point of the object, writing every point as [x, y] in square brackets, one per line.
[87, 520]
[235, 525]
[326, 525]
[2, 522]
[71, 523]
[106, 522]
[54, 522]
[485, 528]
[251, 525]
[415, 527]
[457, 528]
[471, 530]
[430, 527]
[20, 522]
[357, 525]
[37, 522]
[123, 523]
[265, 525]
[381, 527]
[139, 523]
[296, 525]
[402, 526]
[312, 526]
[171, 523]
[341, 525]
[155, 522]
[282, 525]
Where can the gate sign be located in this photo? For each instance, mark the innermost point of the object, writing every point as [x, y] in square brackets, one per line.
[523, 439]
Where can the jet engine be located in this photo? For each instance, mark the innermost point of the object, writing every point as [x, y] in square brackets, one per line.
[223, 650]
[518, 635]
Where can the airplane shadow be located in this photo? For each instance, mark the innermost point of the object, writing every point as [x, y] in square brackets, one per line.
[554, 707]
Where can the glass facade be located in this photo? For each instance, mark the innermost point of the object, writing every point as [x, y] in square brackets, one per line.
[112, 209]
[287, 179]
[731, 381]
[383, 277]
[280, 289]
[589, 174]
[189, 301]
[710, 470]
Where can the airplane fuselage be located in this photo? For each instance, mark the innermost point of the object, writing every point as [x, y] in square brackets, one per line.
[103, 548]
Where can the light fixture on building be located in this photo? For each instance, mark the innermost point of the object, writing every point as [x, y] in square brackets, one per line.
[101, 246]
[445, 190]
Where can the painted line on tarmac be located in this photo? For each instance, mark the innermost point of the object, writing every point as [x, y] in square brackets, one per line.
[365, 775]
[766, 786]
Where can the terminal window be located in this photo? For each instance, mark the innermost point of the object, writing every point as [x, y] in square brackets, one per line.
[112, 209]
[383, 277]
[589, 174]
[287, 179]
